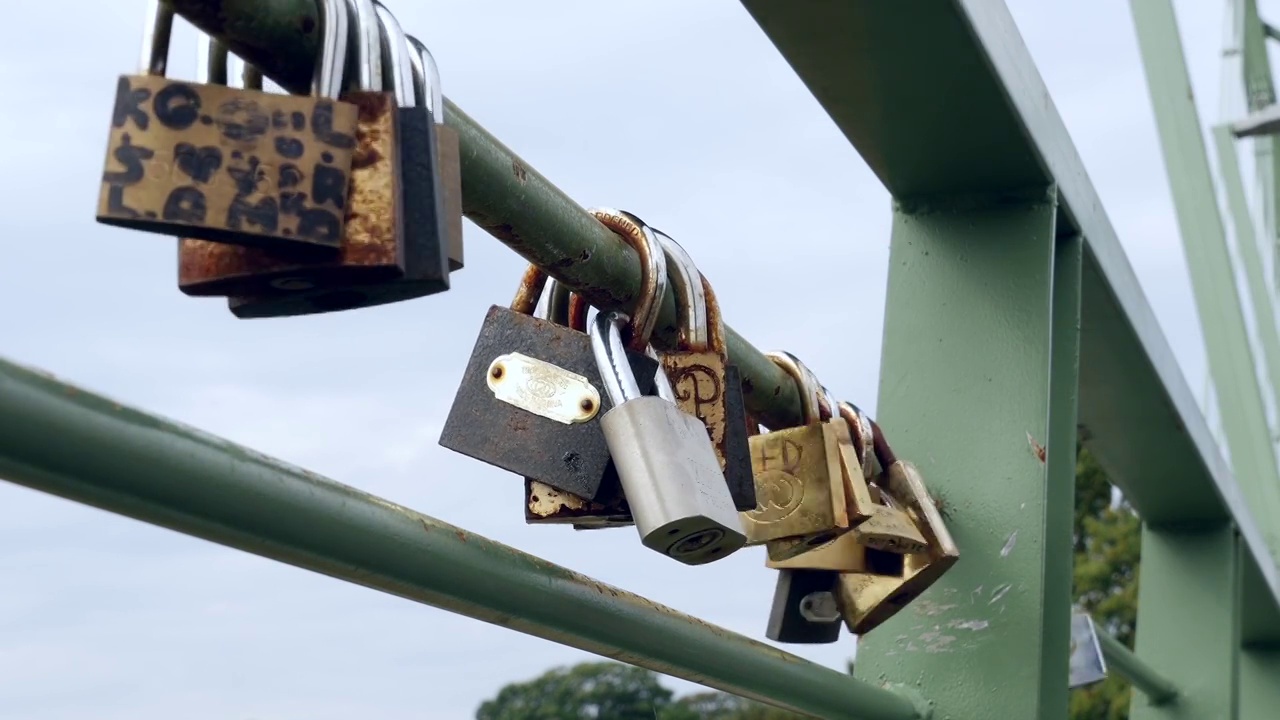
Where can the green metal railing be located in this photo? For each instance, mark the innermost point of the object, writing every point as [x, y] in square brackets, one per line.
[1009, 298]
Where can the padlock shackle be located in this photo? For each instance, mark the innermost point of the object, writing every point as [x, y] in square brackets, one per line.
[367, 40]
[806, 385]
[335, 20]
[611, 357]
[426, 80]
[691, 300]
[863, 435]
[156, 36]
[213, 65]
[394, 52]
[653, 272]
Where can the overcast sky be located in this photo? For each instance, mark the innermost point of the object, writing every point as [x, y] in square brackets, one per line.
[112, 619]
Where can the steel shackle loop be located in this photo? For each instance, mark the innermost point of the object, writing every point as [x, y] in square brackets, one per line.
[426, 80]
[653, 272]
[156, 36]
[531, 285]
[806, 386]
[394, 53]
[611, 357]
[691, 299]
[860, 427]
[212, 65]
[367, 39]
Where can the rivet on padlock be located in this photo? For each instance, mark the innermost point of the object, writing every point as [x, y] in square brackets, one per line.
[426, 78]
[799, 479]
[526, 433]
[388, 253]
[231, 165]
[805, 608]
[668, 470]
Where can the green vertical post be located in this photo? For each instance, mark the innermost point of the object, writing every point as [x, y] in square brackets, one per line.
[978, 375]
[1260, 92]
[1250, 258]
[1188, 628]
[1259, 683]
[1230, 357]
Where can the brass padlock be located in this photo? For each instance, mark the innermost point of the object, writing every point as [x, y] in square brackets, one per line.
[799, 480]
[231, 165]
[379, 261]
[427, 82]
[868, 599]
[530, 419]
[806, 608]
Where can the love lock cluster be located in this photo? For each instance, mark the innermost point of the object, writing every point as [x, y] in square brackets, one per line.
[607, 432]
[351, 197]
[293, 204]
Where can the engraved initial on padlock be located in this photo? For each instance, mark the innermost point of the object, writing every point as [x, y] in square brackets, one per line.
[209, 161]
[800, 486]
[668, 470]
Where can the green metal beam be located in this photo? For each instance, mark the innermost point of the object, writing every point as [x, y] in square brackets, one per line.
[502, 193]
[1260, 92]
[1259, 690]
[969, 373]
[1187, 630]
[1230, 356]
[1264, 311]
[1126, 664]
[862, 62]
[66, 441]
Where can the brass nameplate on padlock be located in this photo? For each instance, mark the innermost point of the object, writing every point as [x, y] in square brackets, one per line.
[543, 389]
[227, 165]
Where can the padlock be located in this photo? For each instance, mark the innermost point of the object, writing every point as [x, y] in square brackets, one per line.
[806, 609]
[667, 467]
[378, 261]
[867, 599]
[231, 165]
[706, 384]
[798, 476]
[427, 82]
[890, 528]
[532, 419]
[545, 505]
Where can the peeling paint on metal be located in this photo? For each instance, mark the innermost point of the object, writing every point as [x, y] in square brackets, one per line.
[999, 593]
[1008, 544]
[1036, 448]
[974, 625]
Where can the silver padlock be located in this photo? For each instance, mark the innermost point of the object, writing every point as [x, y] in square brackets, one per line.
[667, 467]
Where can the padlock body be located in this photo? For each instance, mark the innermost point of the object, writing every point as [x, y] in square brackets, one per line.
[672, 481]
[237, 168]
[737, 449]
[423, 263]
[450, 163]
[890, 529]
[796, 470]
[545, 505]
[371, 252]
[787, 622]
[572, 458]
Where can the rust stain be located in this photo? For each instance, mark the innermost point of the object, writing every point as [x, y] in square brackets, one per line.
[462, 535]
[1036, 448]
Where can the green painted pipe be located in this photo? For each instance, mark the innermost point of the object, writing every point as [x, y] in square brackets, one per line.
[501, 193]
[1129, 666]
[68, 442]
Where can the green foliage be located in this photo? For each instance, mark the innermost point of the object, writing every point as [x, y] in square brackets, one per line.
[583, 692]
[1107, 551]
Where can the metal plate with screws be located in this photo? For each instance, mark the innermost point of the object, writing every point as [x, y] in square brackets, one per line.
[543, 389]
